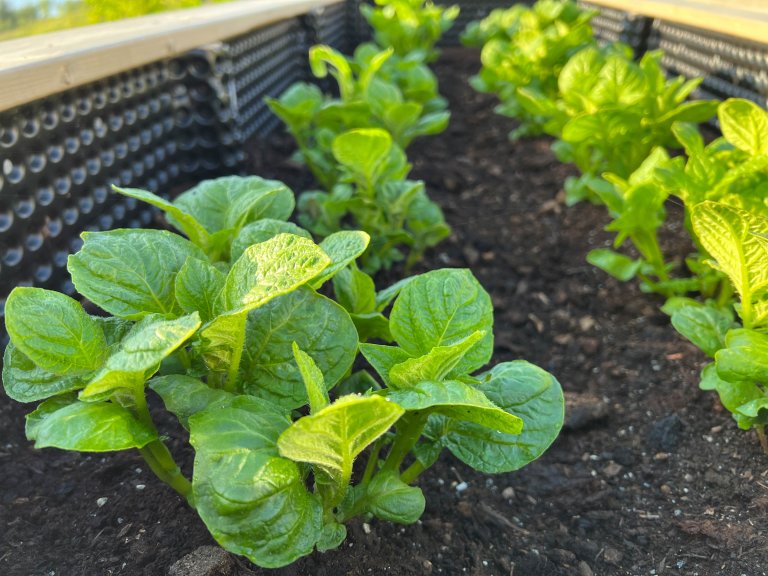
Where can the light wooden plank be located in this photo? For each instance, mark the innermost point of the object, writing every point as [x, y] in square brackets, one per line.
[747, 20]
[38, 66]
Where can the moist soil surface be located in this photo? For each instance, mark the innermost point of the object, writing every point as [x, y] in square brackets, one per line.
[650, 476]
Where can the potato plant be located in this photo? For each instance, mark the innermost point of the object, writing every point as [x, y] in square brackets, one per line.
[227, 326]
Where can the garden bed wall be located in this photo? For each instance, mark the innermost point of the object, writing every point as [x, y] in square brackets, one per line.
[140, 103]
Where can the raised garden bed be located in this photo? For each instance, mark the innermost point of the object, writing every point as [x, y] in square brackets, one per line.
[649, 474]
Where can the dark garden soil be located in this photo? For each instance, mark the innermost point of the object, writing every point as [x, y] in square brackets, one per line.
[651, 476]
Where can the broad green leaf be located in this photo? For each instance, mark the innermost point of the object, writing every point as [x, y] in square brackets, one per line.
[355, 290]
[333, 437]
[87, 427]
[617, 265]
[313, 380]
[342, 248]
[745, 125]
[756, 410]
[264, 272]
[25, 382]
[185, 222]
[363, 152]
[383, 358]
[372, 325]
[45, 409]
[198, 286]
[459, 402]
[744, 357]
[391, 499]
[523, 390]
[331, 536]
[130, 273]
[705, 326]
[54, 331]
[728, 235]
[733, 394]
[709, 377]
[269, 269]
[231, 202]
[261, 231]
[185, 396]
[139, 354]
[253, 502]
[437, 364]
[319, 326]
[441, 308]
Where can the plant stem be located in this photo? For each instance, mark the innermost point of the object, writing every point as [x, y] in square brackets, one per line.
[763, 438]
[156, 453]
[408, 433]
[161, 462]
[184, 358]
[412, 472]
[237, 354]
[373, 459]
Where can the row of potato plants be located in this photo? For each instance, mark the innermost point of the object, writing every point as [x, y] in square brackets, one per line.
[255, 337]
[622, 122]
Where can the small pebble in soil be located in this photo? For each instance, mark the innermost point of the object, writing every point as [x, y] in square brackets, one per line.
[140, 486]
[666, 434]
[461, 487]
[101, 501]
[508, 493]
[366, 528]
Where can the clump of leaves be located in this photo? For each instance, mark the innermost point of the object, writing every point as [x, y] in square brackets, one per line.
[410, 27]
[373, 195]
[737, 241]
[367, 99]
[611, 113]
[228, 328]
[527, 47]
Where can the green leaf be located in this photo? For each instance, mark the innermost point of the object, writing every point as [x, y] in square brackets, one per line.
[617, 265]
[86, 427]
[438, 364]
[231, 202]
[185, 396]
[355, 290]
[745, 125]
[440, 308]
[183, 221]
[253, 502]
[264, 272]
[363, 152]
[705, 326]
[518, 388]
[391, 499]
[333, 437]
[383, 358]
[728, 235]
[319, 326]
[744, 357]
[458, 401]
[313, 380]
[342, 248]
[25, 382]
[733, 394]
[130, 273]
[139, 354]
[262, 231]
[198, 286]
[54, 331]
[331, 537]
[270, 269]
[372, 325]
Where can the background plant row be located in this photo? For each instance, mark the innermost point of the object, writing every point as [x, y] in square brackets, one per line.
[637, 142]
